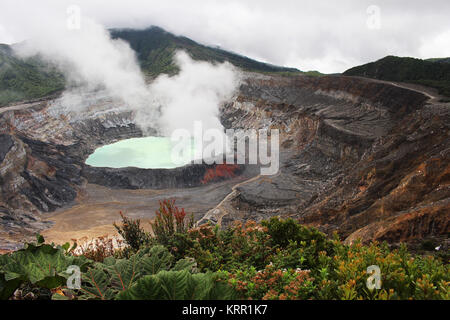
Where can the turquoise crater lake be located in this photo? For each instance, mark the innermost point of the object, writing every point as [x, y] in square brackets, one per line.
[146, 153]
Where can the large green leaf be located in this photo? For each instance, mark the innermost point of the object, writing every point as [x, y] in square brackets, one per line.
[188, 264]
[154, 259]
[178, 285]
[45, 266]
[96, 284]
[124, 272]
[40, 264]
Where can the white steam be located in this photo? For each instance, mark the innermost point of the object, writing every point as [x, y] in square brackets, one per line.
[99, 67]
[195, 94]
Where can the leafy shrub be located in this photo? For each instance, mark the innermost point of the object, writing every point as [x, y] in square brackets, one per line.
[171, 226]
[41, 265]
[291, 257]
[403, 276]
[132, 232]
[239, 245]
[283, 232]
[296, 242]
[170, 220]
[250, 244]
[272, 284]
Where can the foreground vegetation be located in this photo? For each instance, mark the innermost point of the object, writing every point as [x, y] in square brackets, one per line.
[277, 259]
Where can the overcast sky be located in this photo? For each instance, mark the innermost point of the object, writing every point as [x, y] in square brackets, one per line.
[329, 36]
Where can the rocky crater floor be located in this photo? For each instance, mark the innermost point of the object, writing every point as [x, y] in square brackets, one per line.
[363, 158]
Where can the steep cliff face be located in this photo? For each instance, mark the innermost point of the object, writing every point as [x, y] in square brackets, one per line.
[364, 158]
[42, 154]
[400, 190]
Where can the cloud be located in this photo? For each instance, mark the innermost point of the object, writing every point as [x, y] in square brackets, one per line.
[5, 37]
[90, 58]
[309, 34]
[437, 46]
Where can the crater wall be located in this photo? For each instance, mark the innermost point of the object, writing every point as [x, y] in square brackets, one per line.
[361, 157]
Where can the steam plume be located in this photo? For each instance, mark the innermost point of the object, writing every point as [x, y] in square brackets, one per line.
[93, 62]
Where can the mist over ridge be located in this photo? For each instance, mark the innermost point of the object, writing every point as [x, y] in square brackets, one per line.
[96, 66]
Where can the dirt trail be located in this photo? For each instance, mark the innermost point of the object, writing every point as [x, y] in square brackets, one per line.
[431, 93]
[434, 98]
[224, 208]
